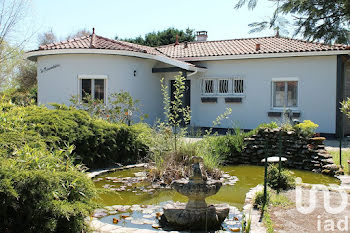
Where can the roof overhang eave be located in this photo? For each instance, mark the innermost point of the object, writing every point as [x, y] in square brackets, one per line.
[265, 55]
[33, 56]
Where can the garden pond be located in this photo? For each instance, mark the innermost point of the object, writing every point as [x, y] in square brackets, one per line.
[234, 195]
[142, 202]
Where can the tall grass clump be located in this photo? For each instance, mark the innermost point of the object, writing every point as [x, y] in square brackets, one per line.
[169, 150]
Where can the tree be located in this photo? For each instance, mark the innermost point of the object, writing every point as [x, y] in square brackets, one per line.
[315, 20]
[50, 37]
[47, 38]
[79, 33]
[174, 111]
[9, 66]
[26, 77]
[165, 37]
[12, 13]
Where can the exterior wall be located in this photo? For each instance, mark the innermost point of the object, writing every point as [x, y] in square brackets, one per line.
[59, 84]
[316, 91]
[316, 86]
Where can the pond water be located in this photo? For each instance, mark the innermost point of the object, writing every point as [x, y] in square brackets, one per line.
[249, 176]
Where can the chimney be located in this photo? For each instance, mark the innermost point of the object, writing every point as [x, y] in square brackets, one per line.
[93, 38]
[201, 35]
[177, 40]
[278, 33]
[257, 47]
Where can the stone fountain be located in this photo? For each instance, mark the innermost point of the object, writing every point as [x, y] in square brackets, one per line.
[196, 214]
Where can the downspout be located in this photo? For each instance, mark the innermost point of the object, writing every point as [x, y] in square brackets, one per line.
[189, 75]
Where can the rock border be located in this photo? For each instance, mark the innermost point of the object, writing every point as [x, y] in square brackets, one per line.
[92, 174]
[251, 213]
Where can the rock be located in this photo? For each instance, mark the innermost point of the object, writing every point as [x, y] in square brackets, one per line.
[147, 221]
[99, 213]
[332, 167]
[140, 174]
[327, 161]
[137, 221]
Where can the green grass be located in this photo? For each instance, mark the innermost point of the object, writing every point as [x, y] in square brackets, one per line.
[345, 158]
[267, 221]
[280, 200]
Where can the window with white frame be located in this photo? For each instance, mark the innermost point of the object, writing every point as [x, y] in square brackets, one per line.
[284, 94]
[208, 86]
[93, 86]
[232, 86]
[223, 86]
[238, 86]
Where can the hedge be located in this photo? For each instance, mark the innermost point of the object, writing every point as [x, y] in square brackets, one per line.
[43, 192]
[98, 143]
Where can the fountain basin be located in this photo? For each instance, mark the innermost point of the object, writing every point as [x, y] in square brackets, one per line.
[196, 214]
[180, 217]
[196, 192]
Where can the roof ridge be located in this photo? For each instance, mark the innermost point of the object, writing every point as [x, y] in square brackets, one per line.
[122, 43]
[66, 41]
[210, 41]
[263, 37]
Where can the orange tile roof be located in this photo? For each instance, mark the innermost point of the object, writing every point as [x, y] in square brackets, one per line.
[268, 45]
[245, 47]
[99, 42]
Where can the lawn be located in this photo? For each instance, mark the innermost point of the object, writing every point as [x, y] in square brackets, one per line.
[345, 158]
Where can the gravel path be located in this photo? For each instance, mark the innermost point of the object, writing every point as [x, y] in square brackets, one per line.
[291, 220]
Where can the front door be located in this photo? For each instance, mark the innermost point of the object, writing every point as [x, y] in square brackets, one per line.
[186, 99]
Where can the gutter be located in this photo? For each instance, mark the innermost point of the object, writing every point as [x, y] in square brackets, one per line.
[33, 56]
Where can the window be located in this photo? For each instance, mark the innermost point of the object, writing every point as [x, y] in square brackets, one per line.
[238, 86]
[227, 87]
[285, 93]
[93, 86]
[208, 86]
[223, 86]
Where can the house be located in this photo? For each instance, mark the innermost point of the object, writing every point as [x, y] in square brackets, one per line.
[258, 78]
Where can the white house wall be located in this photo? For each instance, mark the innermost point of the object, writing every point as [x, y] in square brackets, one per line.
[316, 91]
[60, 83]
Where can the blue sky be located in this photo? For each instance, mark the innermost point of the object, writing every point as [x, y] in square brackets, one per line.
[131, 18]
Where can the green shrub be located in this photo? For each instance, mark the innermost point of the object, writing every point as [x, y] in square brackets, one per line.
[258, 201]
[98, 143]
[280, 182]
[20, 97]
[306, 128]
[271, 125]
[230, 146]
[43, 192]
[110, 143]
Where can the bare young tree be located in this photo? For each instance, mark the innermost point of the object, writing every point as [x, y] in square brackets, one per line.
[80, 33]
[47, 38]
[12, 12]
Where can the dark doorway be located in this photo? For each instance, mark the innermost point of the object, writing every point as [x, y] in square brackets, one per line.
[186, 99]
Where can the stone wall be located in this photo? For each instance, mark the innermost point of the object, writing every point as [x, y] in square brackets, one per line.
[301, 152]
